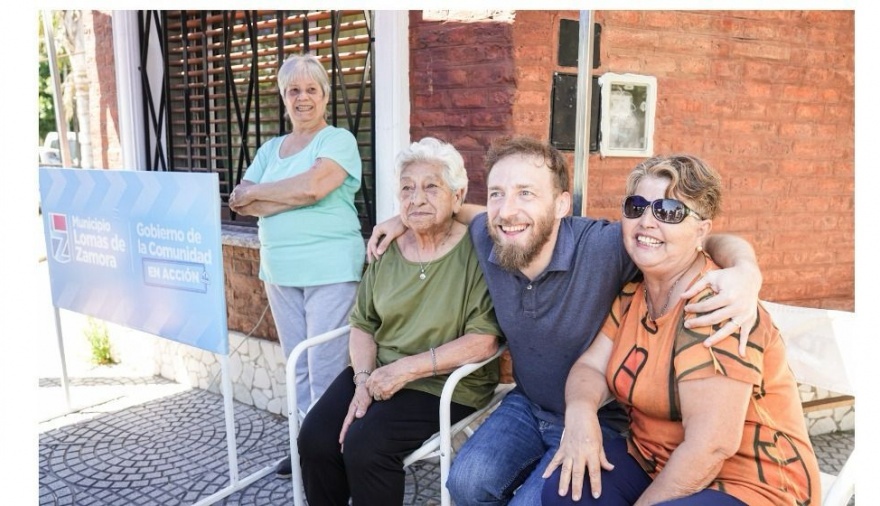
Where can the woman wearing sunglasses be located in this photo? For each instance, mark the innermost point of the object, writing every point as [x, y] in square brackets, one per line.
[707, 426]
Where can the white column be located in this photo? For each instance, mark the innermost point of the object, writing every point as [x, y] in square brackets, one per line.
[126, 55]
[391, 106]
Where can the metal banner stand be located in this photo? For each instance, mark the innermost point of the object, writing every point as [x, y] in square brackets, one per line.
[234, 483]
[64, 382]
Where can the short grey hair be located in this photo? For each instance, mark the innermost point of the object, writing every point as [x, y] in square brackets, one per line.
[435, 151]
[303, 65]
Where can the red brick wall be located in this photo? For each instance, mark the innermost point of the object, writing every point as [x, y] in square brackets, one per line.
[536, 43]
[101, 72]
[245, 297]
[767, 97]
[475, 77]
[462, 85]
[536, 47]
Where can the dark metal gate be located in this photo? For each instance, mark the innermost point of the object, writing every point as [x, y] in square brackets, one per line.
[211, 97]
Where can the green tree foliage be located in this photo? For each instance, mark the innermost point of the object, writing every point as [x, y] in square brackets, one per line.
[45, 103]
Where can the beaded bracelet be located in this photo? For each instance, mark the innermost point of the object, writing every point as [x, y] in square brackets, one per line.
[433, 363]
[354, 378]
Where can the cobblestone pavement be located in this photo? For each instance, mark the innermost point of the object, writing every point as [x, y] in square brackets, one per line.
[172, 450]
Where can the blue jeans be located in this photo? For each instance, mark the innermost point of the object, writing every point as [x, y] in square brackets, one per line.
[503, 461]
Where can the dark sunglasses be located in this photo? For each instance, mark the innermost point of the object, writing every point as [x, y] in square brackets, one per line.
[665, 210]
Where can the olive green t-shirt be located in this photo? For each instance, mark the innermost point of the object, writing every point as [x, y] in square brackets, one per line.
[407, 315]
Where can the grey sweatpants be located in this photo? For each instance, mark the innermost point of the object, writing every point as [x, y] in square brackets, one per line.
[303, 312]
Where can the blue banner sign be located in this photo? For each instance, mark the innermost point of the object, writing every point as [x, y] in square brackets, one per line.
[140, 249]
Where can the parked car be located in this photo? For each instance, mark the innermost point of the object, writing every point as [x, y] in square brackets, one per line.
[50, 151]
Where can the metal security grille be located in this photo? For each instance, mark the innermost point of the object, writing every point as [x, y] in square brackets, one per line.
[211, 97]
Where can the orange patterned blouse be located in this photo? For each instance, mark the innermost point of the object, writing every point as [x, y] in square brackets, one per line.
[775, 463]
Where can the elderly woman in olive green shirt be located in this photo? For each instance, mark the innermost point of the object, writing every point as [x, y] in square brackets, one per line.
[422, 310]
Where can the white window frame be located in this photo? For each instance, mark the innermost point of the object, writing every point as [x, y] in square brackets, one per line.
[611, 131]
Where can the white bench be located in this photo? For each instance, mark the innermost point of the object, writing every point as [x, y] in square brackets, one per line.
[820, 346]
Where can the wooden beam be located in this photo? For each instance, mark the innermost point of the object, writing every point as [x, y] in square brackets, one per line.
[828, 403]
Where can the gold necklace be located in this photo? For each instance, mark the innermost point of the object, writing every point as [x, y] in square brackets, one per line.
[423, 267]
[649, 305]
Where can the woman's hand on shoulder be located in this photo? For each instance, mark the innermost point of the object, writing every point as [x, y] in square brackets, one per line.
[383, 235]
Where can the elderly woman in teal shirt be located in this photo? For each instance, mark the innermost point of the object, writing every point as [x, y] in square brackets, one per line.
[302, 186]
[422, 310]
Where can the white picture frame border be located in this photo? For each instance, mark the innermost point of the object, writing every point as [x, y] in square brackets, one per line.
[605, 82]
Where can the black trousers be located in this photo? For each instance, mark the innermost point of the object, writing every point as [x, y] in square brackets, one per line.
[370, 471]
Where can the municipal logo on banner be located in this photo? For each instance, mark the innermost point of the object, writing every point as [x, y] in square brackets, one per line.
[59, 237]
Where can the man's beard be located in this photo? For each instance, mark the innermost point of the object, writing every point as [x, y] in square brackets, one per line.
[514, 257]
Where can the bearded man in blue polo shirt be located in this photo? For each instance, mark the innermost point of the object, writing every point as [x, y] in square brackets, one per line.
[553, 278]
